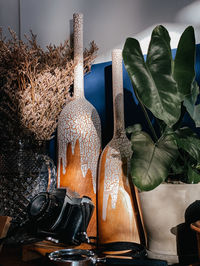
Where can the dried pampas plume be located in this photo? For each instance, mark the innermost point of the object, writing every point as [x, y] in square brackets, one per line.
[35, 85]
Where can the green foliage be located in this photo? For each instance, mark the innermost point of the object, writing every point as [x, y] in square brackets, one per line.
[151, 161]
[153, 79]
[193, 175]
[189, 103]
[166, 87]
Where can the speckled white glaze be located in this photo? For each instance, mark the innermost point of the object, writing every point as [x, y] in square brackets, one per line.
[79, 120]
[119, 147]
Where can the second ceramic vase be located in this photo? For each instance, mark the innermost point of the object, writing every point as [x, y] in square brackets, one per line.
[118, 213]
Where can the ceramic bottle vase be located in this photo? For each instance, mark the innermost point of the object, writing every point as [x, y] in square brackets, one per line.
[79, 134]
[118, 215]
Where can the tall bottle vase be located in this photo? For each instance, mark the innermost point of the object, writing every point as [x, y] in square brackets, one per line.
[79, 134]
[118, 214]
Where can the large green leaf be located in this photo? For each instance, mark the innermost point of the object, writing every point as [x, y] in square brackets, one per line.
[153, 81]
[193, 175]
[189, 103]
[184, 70]
[188, 141]
[161, 84]
[151, 161]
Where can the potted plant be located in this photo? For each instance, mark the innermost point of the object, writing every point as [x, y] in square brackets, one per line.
[165, 164]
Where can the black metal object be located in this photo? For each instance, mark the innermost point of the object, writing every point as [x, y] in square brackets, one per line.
[80, 257]
[62, 215]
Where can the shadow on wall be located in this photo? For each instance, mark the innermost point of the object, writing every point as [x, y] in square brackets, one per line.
[132, 111]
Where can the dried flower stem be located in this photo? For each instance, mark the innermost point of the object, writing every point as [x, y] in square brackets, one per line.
[35, 84]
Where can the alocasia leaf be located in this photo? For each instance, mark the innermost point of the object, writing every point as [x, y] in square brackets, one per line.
[189, 103]
[151, 161]
[160, 83]
[183, 67]
[153, 81]
[188, 141]
[193, 175]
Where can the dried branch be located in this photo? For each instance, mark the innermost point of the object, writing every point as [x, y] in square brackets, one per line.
[35, 84]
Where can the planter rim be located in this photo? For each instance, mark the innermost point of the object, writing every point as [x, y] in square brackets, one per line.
[180, 185]
[171, 186]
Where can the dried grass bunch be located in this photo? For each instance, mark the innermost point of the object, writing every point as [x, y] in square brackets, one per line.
[35, 85]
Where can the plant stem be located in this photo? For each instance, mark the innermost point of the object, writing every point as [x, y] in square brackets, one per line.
[147, 118]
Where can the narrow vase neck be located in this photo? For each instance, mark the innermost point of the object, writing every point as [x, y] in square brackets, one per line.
[78, 55]
[118, 95]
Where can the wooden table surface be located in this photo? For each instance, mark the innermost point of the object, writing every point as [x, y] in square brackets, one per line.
[33, 254]
[13, 257]
[36, 255]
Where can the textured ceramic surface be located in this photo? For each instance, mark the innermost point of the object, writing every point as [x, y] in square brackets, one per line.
[116, 213]
[79, 121]
[79, 134]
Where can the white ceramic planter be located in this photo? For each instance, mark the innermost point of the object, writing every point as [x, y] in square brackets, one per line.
[163, 212]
